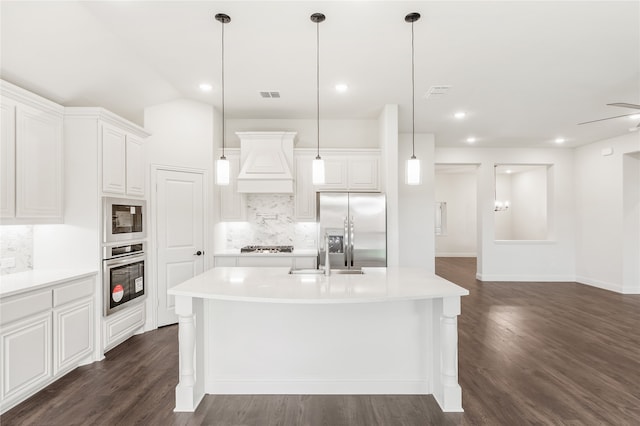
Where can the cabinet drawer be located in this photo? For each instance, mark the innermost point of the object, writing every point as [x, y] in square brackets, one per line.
[23, 306]
[304, 262]
[120, 326]
[73, 291]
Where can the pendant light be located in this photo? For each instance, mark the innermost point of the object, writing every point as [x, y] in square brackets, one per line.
[318, 162]
[413, 164]
[222, 164]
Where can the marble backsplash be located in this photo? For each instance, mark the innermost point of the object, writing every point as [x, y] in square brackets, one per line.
[270, 221]
[16, 242]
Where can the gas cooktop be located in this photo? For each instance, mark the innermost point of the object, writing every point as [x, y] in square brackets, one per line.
[266, 249]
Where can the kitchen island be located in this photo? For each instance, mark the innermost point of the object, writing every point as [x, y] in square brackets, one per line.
[265, 331]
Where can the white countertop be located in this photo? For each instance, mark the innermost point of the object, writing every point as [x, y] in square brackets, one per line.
[276, 285]
[294, 253]
[21, 282]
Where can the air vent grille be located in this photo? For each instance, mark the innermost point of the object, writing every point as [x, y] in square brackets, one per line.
[270, 94]
[435, 91]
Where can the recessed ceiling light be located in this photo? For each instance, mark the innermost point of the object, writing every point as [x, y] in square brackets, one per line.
[460, 115]
[341, 88]
[634, 116]
[206, 87]
[559, 140]
[471, 139]
[508, 171]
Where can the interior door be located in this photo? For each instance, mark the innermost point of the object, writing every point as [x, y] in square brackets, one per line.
[180, 235]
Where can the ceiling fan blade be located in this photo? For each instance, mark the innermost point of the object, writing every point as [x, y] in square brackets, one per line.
[625, 105]
[609, 118]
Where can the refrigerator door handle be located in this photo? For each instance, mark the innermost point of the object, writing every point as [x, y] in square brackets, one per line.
[345, 248]
[351, 236]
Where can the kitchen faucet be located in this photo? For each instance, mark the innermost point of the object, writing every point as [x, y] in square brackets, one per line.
[327, 264]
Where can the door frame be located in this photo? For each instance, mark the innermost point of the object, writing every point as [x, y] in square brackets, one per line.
[152, 253]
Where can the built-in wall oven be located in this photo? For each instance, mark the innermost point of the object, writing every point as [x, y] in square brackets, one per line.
[124, 219]
[123, 275]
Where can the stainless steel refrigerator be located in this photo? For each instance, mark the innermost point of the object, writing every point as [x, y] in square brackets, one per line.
[356, 224]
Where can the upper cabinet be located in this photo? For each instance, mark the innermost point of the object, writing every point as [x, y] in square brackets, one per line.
[356, 170]
[123, 167]
[31, 157]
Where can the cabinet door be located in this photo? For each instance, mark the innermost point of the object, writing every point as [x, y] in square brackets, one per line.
[363, 173]
[113, 160]
[8, 159]
[135, 170]
[335, 174]
[224, 261]
[25, 353]
[73, 326]
[305, 192]
[39, 175]
[232, 203]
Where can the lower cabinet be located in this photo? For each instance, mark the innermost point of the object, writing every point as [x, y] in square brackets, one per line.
[26, 358]
[43, 335]
[297, 262]
[121, 325]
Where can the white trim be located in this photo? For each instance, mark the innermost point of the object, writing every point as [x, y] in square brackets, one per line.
[319, 387]
[617, 288]
[526, 278]
[447, 254]
[106, 116]
[29, 98]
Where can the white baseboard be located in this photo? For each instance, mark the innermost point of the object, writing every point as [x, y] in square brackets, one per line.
[319, 387]
[445, 254]
[603, 285]
[525, 278]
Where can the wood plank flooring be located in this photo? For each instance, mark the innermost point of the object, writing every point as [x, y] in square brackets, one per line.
[530, 353]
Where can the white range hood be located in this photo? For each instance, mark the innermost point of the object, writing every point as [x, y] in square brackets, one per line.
[266, 160]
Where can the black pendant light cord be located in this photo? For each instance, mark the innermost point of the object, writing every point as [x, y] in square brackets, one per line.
[413, 100]
[318, 86]
[317, 18]
[223, 130]
[223, 19]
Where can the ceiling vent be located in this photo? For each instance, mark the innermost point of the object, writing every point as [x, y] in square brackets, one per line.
[435, 91]
[270, 94]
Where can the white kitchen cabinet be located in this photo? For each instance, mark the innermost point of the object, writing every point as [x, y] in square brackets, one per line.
[44, 334]
[26, 352]
[32, 158]
[265, 260]
[233, 205]
[123, 165]
[73, 323]
[120, 326]
[305, 193]
[135, 166]
[345, 170]
[114, 157]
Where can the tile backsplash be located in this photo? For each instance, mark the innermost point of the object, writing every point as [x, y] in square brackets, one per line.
[270, 221]
[16, 242]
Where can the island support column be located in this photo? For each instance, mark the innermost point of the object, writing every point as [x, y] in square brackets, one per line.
[446, 389]
[190, 389]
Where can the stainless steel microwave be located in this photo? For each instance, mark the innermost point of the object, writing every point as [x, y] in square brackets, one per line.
[124, 219]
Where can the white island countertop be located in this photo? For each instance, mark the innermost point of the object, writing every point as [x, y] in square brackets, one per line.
[276, 285]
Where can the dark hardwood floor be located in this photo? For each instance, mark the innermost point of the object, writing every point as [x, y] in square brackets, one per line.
[530, 353]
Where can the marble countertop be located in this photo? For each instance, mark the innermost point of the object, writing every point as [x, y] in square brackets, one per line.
[22, 282]
[294, 253]
[276, 285]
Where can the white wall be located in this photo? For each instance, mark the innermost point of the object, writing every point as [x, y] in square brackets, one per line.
[551, 260]
[529, 204]
[458, 190]
[503, 223]
[606, 224]
[415, 204]
[333, 133]
[388, 136]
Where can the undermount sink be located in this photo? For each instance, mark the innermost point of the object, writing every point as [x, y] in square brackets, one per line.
[321, 271]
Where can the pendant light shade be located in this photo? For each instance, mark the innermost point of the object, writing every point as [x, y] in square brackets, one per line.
[222, 165]
[318, 162]
[414, 177]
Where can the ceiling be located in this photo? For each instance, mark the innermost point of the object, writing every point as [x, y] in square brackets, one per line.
[524, 72]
